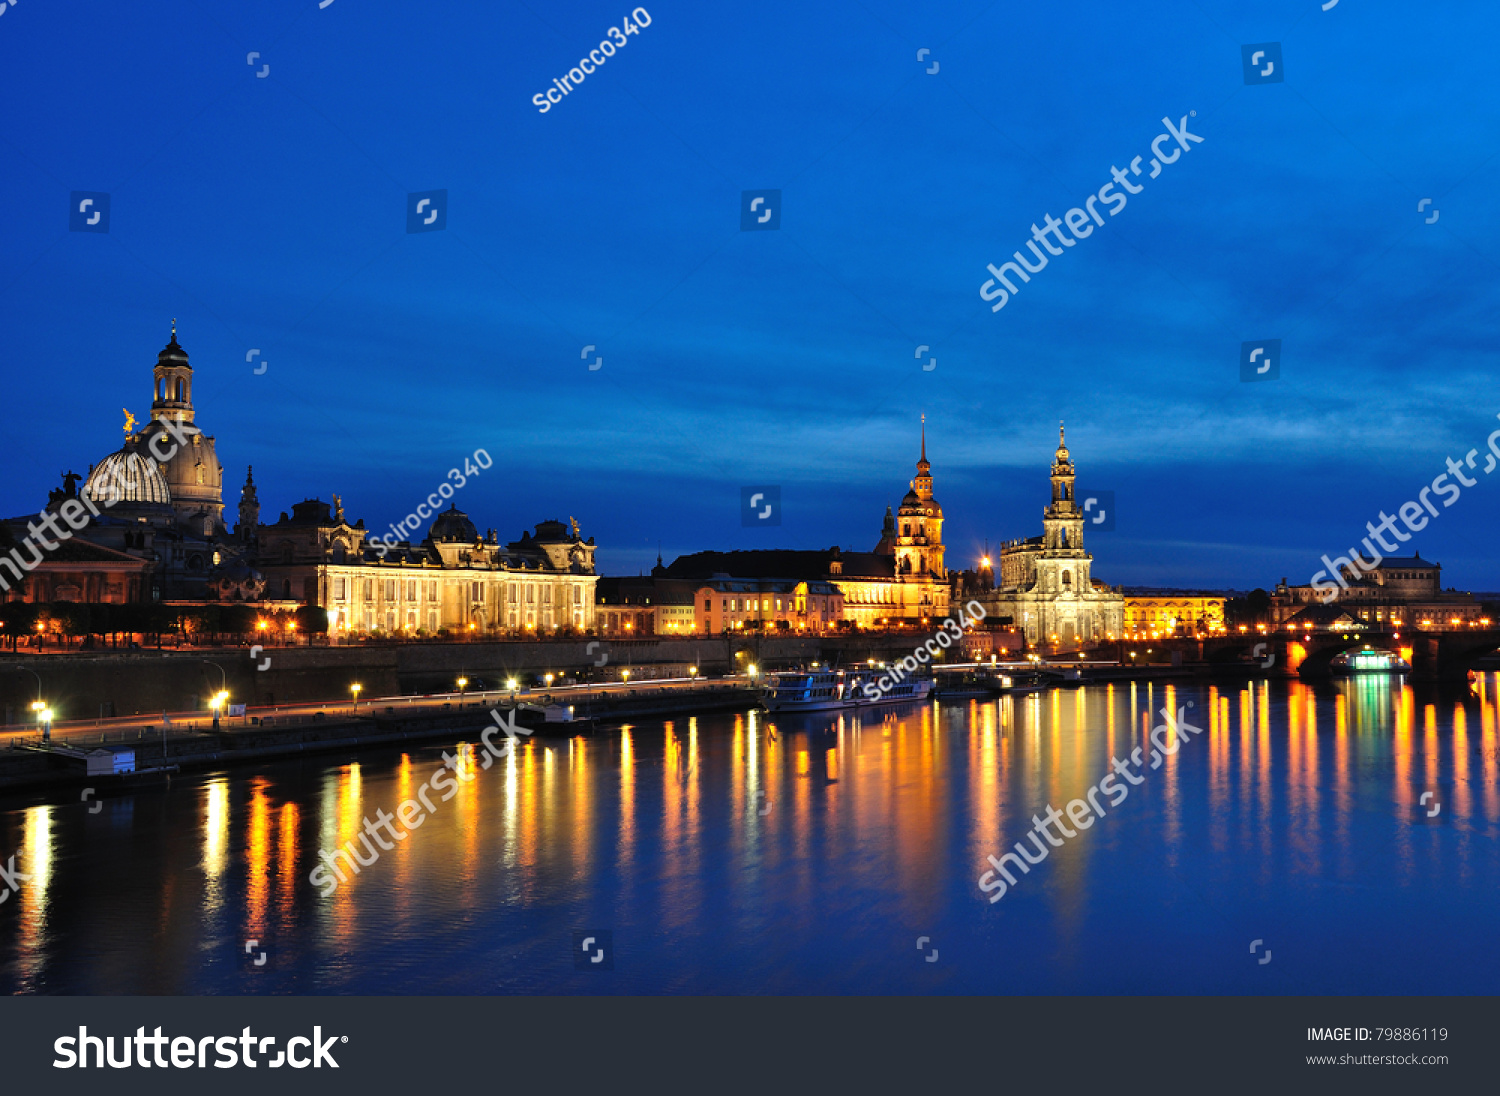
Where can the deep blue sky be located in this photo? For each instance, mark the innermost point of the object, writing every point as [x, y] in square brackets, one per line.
[270, 213]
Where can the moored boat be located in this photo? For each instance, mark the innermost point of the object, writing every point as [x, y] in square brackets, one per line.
[837, 690]
[552, 719]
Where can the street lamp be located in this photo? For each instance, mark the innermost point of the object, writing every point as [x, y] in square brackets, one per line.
[510, 684]
[752, 670]
[462, 684]
[38, 677]
[548, 679]
[692, 672]
[218, 702]
[355, 689]
[625, 676]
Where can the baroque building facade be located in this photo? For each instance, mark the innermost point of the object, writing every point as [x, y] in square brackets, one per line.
[902, 581]
[1400, 592]
[1046, 588]
[158, 535]
[1173, 612]
[454, 579]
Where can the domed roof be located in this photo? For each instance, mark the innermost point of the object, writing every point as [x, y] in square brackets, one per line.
[127, 476]
[173, 353]
[453, 525]
[914, 505]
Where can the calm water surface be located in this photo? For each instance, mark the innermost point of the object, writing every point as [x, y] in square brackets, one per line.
[742, 854]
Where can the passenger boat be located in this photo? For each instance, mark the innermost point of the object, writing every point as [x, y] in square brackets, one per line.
[836, 690]
[1369, 661]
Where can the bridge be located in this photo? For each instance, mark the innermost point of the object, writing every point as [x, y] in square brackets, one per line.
[1435, 656]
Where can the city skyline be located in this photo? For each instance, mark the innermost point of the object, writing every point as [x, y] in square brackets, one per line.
[639, 560]
[269, 213]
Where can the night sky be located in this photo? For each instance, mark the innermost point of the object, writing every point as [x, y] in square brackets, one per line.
[270, 213]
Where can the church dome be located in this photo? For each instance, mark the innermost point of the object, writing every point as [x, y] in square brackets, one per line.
[453, 525]
[128, 477]
[173, 353]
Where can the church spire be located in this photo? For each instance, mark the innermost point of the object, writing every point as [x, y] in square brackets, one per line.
[922, 485]
[1063, 461]
[249, 508]
[924, 468]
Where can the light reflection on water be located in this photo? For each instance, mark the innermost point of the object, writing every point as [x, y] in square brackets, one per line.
[751, 854]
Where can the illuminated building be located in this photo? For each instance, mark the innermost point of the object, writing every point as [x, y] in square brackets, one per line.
[644, 606]
[786, 605]
[1401, 592]
[1045, 587]
[663, 606]
[914, 539]
[452, 580]
[163, 538]
[77, 571]
[1173, 612]
[159, 502]
[902, 582]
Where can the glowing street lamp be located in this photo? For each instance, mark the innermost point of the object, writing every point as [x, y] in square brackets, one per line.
[462, 684]
[218, 703]
[752, 670]
[692, 672]
[356, 688]
[548, 679]
[625, 676]
[510, 684]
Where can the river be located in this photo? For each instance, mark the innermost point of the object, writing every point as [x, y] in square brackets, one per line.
[1290, 847]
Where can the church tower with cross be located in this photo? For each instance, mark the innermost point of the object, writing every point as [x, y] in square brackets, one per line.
[169, 462]
[913, 581]
[919, 527]
[1046, 586]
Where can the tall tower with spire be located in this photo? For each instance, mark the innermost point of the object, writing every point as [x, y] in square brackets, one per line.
[1062, 521]
[1047, 589]
[1062, 566]
[249, 508]
[918, 546]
